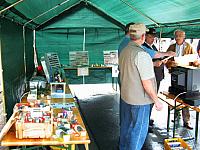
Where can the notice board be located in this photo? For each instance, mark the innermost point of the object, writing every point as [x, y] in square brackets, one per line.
[78, 58]
[110, 57]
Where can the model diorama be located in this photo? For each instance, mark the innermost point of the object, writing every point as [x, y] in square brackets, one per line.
[42, 120]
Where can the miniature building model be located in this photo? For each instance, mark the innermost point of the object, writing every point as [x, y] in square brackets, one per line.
[58, 88]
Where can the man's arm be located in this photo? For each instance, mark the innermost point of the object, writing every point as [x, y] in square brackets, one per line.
[151, 52]
[155, 54]
[148, 87]
[163, 54]
[145, 67]
[157, 63]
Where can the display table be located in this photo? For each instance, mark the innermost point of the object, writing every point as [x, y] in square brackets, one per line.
[95, 75]
[176, 104]
[10, 137]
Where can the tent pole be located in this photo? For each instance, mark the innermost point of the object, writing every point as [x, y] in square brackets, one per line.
[97, 8]
[53, 17]
[157, 24]
[11, 6]
[84, 39]
[46, 12]
[83, 50]
[34, 49]
[24, 36]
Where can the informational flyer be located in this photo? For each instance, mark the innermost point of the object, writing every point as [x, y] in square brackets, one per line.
[78, 58]
[110, 57]
[83, 71]
[115, 71]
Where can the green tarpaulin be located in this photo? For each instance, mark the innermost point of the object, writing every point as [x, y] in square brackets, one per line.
[72, 25]
[164, 15]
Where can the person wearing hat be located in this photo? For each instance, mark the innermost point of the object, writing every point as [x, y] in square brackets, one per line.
[158, 64]
[152, 53]
[137, 90]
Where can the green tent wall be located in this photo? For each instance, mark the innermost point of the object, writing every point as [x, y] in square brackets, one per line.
[59, 28]
[67, 34]
[12, 52]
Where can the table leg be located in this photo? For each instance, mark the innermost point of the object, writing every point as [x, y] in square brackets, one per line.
[116, 83]
[196, 126]
[73, 147]
[168, 119]
[86, 147]
[174, 127]
[113, 82]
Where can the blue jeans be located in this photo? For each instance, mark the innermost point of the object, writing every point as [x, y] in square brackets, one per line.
[134, 125]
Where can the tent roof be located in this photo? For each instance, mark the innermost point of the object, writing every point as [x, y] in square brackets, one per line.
[162, 14]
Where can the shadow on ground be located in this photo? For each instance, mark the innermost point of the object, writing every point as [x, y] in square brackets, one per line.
[101, 115]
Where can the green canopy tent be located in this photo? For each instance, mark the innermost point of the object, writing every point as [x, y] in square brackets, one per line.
[71, 25]
[161, 14]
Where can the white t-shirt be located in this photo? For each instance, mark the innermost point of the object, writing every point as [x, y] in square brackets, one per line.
[179, 49]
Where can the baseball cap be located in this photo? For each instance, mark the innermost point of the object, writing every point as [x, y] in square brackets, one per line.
[138, 29]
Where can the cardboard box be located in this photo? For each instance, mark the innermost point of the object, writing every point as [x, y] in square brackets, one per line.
[34, 122]
[33, 130]
[176, 143]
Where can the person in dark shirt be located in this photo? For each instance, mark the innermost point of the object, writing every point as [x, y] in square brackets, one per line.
[158, 65]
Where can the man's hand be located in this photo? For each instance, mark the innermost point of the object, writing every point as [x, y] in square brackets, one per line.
[164, 61]
[170, 53]
[163, 54]
[158, 105]
[170, 64]
[196, 63]
[157, 63]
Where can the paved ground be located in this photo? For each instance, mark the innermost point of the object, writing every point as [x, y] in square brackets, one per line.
[99, 105]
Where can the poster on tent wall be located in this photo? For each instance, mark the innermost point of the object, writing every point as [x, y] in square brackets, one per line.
[78, 58]
[110, 57]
